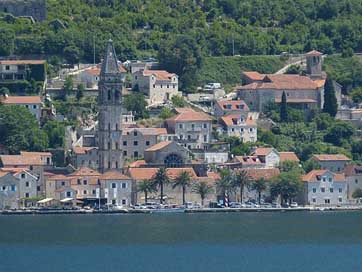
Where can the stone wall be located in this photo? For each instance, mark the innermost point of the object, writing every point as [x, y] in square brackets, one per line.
[33, 8]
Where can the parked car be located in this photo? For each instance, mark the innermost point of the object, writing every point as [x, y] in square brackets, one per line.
[235, 205]
[294, 205]
[215, 204]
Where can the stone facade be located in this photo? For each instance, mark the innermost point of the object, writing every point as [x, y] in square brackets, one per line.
[332, 162]
[237, 125]
[26, 8]
[110, 113]
[9, 191]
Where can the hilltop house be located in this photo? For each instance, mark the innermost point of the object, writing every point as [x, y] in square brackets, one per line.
[13, 70]
[32, 103]
[238, 125]
[332, 162]
[225, 107]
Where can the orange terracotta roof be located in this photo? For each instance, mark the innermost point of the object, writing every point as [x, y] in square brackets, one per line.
[149, 173]
[267, 174]
[248, 160]
[21, 62]
[138, 163]
[232, 119]
[96, 71]
[352, 170]
[235, 105]
[191, 116]
[21, 100]
[262, 151]
[10, 160]
[82, 150]
[113, 175]
[146, 131]
[296, 100]
[85, 171]
[59, 177]
[314, 53]
[331, 157]
[26, 153]
[320, 82]
[288, 156]
[159, 74]
[13, 169]
[255, 76]
[314, 176]
[179, 110]
[158, 146]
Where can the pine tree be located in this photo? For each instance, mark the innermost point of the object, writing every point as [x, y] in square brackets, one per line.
[283, 109]
[330, 101]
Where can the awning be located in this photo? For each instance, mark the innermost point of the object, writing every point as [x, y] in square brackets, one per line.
[45, 200]
[66, 200]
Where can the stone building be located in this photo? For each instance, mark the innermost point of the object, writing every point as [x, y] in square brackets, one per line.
[110, 112]
[25, 8]
[353, 175]
[13, 70]
[238, 125]
[9, 191]
[225, 107]
[32, 103]
[85, 156]
[332, 162]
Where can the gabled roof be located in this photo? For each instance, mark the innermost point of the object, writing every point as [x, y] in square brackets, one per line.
[59, 177]
[21, 62]
[26, 153]
[113, 175]
[21, 100]
[96, 71]
[159, 74]
[314, 176]
[262, 151]
[79, 150]
[249, 160]
[314, 53]
[233, 105]
[190, 116]
[179, 110]
[232, 119]
[267, 174]
[254, 76]
[288, 156]
[20, 160]
[146, 131]
[331, 157]
[137, 163]
[158, 146]
[149, 173]
[85, 171]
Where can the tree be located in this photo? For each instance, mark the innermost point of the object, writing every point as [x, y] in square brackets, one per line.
[68, 86]
[56, 133]
[146, 187]
[357, 193]
[80, 91]
[166, 113]
[242, 181]
[340, 132]
[293, 70]
[159, 180]
[4, 91]
[287, 185]
[72, 54]
[287, 166]
[178, 101]
[136, 103]
[183, 180]
[330, 101]
[310, 165]
[203, 189]
[225, 184]
[356, 95]
[283, 109]
[259, 186]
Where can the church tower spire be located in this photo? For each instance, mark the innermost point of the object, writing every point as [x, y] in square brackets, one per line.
[110, 112]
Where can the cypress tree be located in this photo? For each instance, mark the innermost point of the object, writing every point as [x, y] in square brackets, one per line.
[283, 109]
[330, 101]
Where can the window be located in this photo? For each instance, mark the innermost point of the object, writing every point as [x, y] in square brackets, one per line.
[314, 190]
[314, 200]
[22, 175]
[113, 202]
[116, 146]
[30, 167]
[324, 179]
[189, 137]
[330, 179]
[116, 164]
[193, 126]
[356, 181]
[27, 184]
[205, 125]
[168, 86]
[85, 182]
[116, 126]
[339, 199]
[161, 86]
[205, 138]
[124, 201]
[85, 192]
[124, 185]
[3, 188]
[251, 129]
[124, 143]
[135, 154]
[109, 165]
[180, 126]
[135, 143]
[323, 190]
[340, 190]
[173, 86]
[26, 195]
[124, 153]
[13, 188]
[147, 143]
[154, 86]
[78, 181]
[34, 107]
[109, 145]
[114, 185]
[7, 67]
[109, 95]
[135, 133]
[93, 192]
[331, 190]
[327, 201]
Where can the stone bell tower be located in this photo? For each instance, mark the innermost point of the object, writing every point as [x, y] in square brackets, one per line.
[110, 112]
[314, 64]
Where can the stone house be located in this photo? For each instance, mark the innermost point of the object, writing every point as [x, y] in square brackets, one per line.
[13, 70]
[27, 182]
[159, 85]
[9, 191]
[324, 188]
[192, 129]
[32, 103]
[225, 107]
[267, 155]
[59, 187]
[238, 125]
[136, 140]
[84, 156]
[90, 77]
[332, 162]
[117, 188]
[353, 175]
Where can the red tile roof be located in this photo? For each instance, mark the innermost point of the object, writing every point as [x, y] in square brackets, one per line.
[179, 110]
[191, 116]
[82, 150]
[96, 71]
[58, 177]
[21, 100]
[352, 170]
[314, 53]
[21, 62]
[26, 153]
[235, 105]
[314, 176]
[232, 119]
[248, 160]
[159, 74]
[149, 173]
[85, 171]
[331, 157]
[288, 156]
[136, 164]
[158, 146]
[254, 76]
[113, 175]
[20, 160]
[262, 151]
[267, 174]
[146, 131]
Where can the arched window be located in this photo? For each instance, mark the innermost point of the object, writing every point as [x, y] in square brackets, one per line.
[116, 126]
[109, 95]
[116, 95]
[173, 161]
[109, 145]
[109, 165]
[116, 164]
[116, 146]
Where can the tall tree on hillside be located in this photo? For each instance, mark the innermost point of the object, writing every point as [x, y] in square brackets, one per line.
[183, 180]
[159, 180]
[283, 109]
[330, 101]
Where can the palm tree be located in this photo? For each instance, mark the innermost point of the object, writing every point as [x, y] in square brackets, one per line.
[242, 180]
[203, 189]
[259, 186]
[225, 184]
[159, 180]
[183, 180]
[146, 187]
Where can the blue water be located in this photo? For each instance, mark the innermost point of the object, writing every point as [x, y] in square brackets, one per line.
[183, 242]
